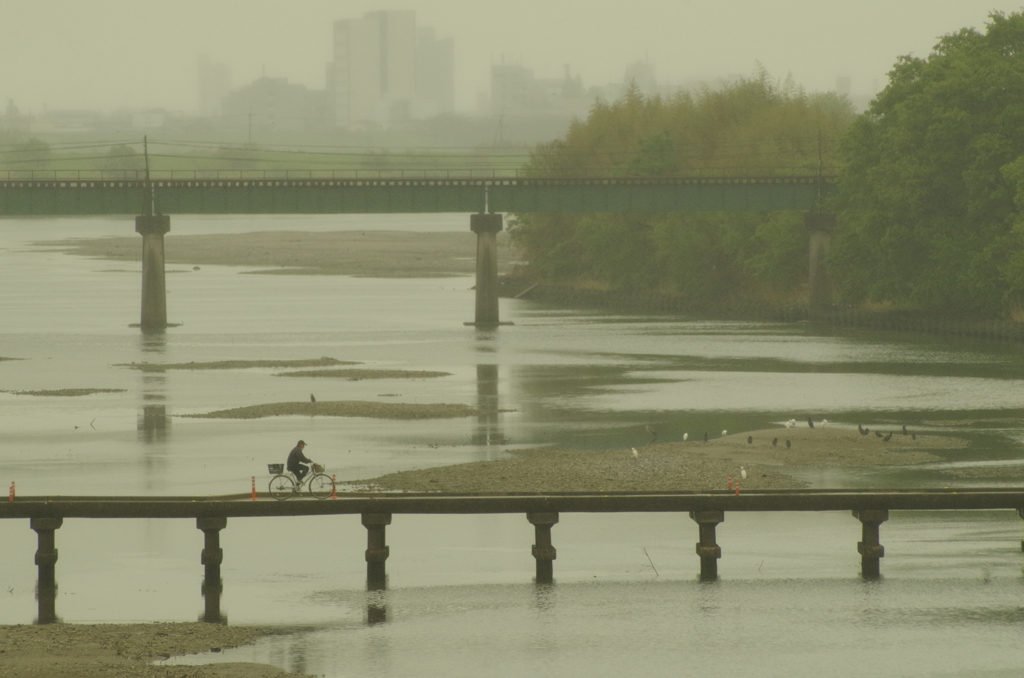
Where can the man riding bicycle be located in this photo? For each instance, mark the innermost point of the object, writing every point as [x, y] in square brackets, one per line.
[297, 460]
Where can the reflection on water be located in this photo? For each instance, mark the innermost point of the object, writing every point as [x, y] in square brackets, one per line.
[376, 606]
[154, 424]
[46, 595]
[212, 613]
[804, 628]
[488, 429]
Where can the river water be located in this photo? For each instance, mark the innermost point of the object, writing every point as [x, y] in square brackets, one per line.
[461, 600]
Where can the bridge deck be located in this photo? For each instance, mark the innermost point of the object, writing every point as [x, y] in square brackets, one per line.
[369, 196]
[243, 506]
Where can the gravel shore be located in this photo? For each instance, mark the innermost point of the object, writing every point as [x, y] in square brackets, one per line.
[692, 465]
[124, 650]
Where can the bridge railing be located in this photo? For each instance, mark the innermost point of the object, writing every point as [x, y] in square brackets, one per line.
[255, 174]
[353, 173]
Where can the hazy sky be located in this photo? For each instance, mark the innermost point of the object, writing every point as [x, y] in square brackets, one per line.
[108, 54]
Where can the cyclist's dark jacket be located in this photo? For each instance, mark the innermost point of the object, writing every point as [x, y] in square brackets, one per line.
[295, 457]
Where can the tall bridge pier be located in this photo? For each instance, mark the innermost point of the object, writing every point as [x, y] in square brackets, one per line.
[486, 226]
[152, 227]
[819, 229]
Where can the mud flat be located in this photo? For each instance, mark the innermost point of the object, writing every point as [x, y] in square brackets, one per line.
[359, 375]
[67, 392]
[672, 466]
[344, 408]
[236, 364]
[376, 254]
[125, 650]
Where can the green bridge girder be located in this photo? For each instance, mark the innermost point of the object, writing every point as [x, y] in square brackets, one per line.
[375, 196]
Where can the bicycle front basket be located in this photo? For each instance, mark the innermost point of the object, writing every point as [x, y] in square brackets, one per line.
[275, 468]
[317, 468]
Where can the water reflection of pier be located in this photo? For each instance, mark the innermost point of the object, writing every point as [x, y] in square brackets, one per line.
[154, 424]
[488, 427]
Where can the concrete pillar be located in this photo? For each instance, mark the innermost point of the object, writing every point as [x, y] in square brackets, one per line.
[871, 551]
[486, 226]
[46, 554]
[819, 226]
[707, 549]
[46, 561]
[543, 551]
[377, 550]
[212, 557]
[154, 290]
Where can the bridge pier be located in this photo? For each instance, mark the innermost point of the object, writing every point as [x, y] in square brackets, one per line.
[377, 550]
[543, 551]
[46, 561]
[819, 226]
[212, 557]
[871, 551]
[486, 226]
[707, 549]
[152, 227]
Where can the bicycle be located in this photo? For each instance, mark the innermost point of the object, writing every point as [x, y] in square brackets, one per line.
[284, 484]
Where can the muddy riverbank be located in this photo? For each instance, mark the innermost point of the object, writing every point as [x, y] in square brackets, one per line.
[674, 466]
[125, 650]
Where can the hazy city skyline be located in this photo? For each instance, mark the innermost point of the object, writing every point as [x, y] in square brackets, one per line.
[114, 54]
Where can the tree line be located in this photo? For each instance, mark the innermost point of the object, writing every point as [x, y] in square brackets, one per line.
[930, 198]
[752, 126]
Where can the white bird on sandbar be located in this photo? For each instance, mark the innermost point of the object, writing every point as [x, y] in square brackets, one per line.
[685, 436]
[635, 453]
[743, 473]
[724, 432]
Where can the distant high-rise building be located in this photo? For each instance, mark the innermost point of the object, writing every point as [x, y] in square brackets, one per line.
[214, 83]
[516, 92]
[385, 70]
[514, 89]
[435, 72]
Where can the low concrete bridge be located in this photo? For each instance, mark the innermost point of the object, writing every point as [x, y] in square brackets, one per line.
[484, 199]
[871, 508]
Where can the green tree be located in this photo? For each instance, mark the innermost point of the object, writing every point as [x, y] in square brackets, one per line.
[123, 157]
[24, 154]
[927, 209]
[752, 126]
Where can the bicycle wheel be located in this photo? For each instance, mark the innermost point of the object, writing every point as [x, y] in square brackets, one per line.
[321, 486]
[281, 487]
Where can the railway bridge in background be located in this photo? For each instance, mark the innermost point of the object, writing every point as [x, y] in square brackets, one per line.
[153, 200]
